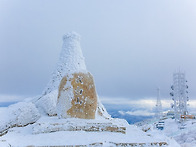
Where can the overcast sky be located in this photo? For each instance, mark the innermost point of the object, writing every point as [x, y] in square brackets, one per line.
[130, 46]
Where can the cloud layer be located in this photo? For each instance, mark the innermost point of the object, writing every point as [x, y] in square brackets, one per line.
[130, 47]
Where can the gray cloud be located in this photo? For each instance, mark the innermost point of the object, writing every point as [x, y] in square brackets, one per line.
[131, 47]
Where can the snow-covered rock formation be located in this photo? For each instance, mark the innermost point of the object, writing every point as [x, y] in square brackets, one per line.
[77, 96]
[71, 61]
[18, 115]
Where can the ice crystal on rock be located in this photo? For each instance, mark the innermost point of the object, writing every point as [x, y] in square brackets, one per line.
[71, 61]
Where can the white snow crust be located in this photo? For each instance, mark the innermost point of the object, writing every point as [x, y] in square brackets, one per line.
[71, 60]
[64, 104]
[53, 124]
[19, 114]
[47, 104]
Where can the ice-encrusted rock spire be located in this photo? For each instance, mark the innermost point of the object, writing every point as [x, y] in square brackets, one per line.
[71, 60]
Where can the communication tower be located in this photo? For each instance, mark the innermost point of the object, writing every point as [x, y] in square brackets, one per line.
[179, 95]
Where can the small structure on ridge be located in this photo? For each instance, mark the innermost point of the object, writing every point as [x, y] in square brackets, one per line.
[158, 108]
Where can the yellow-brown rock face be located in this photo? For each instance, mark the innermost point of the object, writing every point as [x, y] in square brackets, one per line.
[77, 96]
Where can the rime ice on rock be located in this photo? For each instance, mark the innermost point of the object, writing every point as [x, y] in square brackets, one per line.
[77, 96]
[71, 61]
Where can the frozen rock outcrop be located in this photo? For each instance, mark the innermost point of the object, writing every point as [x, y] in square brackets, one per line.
[71, 62]
[77, 96]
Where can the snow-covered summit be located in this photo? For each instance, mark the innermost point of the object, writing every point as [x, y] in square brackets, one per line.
[25, 124]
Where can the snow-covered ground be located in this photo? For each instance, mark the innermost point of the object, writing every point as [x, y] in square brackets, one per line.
[184, 133]
[186, 136]
[41, 132]
[25, 136]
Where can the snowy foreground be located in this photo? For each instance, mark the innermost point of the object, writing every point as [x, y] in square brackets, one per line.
[184, 134]
[35, 135]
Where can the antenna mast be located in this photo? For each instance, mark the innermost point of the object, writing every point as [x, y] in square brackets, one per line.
[179, 95]
[158, 113]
